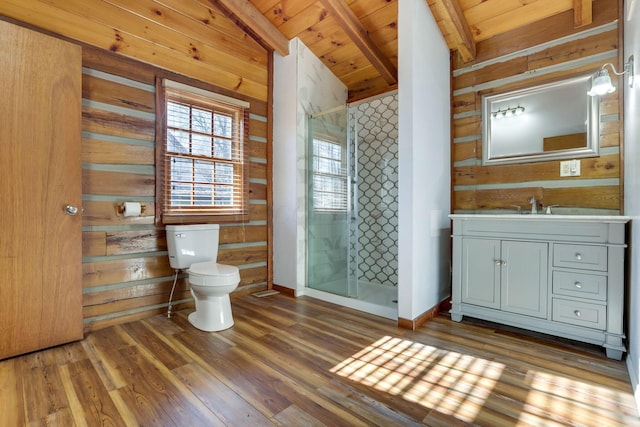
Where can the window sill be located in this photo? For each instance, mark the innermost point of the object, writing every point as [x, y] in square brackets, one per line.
[201, 219]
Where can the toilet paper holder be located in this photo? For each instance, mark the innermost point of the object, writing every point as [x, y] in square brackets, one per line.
[120, 208]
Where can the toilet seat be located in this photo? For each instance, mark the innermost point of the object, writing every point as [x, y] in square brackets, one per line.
[210, 273]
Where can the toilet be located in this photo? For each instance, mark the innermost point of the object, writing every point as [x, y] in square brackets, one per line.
[195, 248]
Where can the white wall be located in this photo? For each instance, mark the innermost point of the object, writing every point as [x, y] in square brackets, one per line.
[424, 159]
[302, 85]
[632, 187]
[284, 168]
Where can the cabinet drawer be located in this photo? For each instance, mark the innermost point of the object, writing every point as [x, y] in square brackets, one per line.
[580, 256]
[580, 285]
[579, 313]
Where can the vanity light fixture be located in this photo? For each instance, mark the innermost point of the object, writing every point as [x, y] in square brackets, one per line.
[508, 112]
[601, 82]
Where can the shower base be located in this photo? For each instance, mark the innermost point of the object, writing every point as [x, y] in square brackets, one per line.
[373, 298]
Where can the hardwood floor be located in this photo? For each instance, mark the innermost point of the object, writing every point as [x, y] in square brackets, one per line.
[304, 362]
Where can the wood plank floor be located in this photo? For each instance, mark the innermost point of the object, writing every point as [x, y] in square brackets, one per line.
[304, 362]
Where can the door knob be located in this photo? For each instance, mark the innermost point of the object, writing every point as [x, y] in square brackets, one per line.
[70, 210]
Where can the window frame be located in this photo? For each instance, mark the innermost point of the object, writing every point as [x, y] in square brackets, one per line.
[239, 110]
[343, 176]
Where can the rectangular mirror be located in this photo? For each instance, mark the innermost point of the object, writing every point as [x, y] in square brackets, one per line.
[546, 122]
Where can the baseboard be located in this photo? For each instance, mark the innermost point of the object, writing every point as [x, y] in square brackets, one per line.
[421, 319]
[633, 376]
[285, 290]
[246, 290]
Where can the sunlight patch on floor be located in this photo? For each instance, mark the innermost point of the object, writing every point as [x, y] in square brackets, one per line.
[473, 389]
[587, 404]
[449, 382]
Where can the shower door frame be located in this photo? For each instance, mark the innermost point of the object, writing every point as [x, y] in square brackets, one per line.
[349, 216]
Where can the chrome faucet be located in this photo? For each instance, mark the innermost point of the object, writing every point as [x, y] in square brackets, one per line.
[534, 205]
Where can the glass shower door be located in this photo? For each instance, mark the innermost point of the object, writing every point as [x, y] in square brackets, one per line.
[331, 220]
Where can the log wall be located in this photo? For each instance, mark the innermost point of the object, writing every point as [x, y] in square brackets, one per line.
[126, 272]
[545, 51]
[125, 264]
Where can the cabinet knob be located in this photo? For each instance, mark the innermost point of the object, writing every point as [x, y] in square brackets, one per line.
[504, 263]
[577, 313]
[578, 285]
[498, 262]
[578, 256]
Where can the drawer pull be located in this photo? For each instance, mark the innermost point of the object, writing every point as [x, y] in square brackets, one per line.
[577, 313]
[578, 285]
[578, 256]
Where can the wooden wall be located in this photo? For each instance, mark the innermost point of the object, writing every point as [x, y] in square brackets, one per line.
[125, 265]
[532, 55]
[126, 272]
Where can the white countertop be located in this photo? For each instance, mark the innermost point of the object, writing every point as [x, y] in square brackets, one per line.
[544, 217]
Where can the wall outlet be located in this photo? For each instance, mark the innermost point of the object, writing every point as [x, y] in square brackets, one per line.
[570, 168]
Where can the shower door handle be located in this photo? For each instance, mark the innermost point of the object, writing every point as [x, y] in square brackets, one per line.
[351, 197]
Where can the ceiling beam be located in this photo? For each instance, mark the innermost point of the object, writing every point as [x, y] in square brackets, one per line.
[456, 25]
[582, 13]
[360, 37]
[255, 23]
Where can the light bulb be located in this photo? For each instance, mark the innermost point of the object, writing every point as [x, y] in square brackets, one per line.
[601, 84]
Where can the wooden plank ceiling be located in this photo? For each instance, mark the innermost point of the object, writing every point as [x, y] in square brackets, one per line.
[358, 39]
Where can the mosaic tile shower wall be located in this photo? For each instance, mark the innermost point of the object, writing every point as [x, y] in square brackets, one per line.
[376, 124]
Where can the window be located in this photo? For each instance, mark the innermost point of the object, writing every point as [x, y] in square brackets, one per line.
[329, 176]
[202, 163]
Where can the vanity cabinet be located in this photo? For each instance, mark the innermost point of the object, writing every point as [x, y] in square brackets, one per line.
[514, 275]
[557, 274]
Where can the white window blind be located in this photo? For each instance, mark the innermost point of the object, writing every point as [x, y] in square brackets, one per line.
[329, 176]
[204, 156]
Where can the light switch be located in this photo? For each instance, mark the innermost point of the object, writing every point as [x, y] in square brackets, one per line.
[570, 168]
[575, 168]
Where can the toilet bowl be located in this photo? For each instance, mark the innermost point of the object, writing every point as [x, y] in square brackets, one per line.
[211, 283]
[195, 248]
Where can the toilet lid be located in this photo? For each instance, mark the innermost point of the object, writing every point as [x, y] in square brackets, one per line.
[212, 274]
[211, 268]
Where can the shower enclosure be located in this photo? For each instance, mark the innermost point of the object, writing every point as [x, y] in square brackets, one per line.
[352, 203]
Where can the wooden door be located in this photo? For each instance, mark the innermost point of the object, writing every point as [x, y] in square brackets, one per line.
[40, 174]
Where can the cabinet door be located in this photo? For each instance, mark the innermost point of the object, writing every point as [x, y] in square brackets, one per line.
[481, 272]
[524, 278]
[40, 170]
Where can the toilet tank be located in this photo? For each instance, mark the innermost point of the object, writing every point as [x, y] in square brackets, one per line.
[192, 243]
